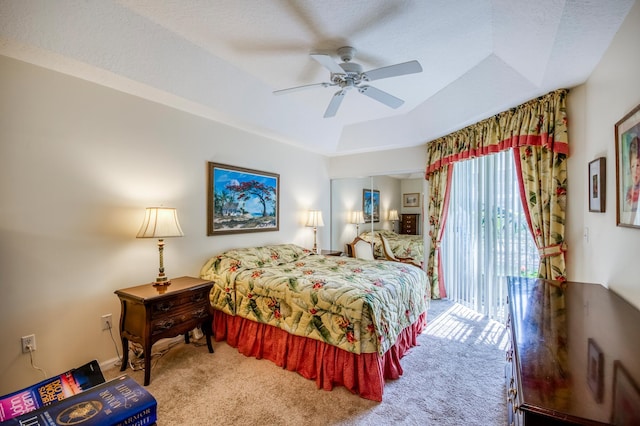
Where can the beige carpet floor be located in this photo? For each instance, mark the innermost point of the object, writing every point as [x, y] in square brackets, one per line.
[454, 377]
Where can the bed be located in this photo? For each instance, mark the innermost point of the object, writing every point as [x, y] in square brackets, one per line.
[335, 320]
[402, 246]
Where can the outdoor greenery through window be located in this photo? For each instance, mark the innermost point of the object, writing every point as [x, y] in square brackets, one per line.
[486, 237]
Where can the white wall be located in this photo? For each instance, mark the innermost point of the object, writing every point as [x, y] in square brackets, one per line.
[610, 256]
[397, 161]
[78, 164]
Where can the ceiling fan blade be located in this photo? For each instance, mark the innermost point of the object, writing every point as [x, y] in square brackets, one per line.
[328, 62]
[298, 88]
[381, 96]
[404, 68]
[335, 103]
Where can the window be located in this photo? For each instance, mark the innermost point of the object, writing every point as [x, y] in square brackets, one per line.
[486, 238]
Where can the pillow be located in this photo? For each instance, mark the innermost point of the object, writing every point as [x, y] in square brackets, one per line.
[250, 257]
[286, 253]
[255, 257]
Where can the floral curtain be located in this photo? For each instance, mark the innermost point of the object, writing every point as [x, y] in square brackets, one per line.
[537, 132]
[440, 189]
[543, 189]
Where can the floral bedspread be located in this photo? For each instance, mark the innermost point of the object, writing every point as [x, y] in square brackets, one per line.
[402, 245]
[357, 305]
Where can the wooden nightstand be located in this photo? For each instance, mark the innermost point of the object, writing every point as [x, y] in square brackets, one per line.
[331, 252]
[151, 313]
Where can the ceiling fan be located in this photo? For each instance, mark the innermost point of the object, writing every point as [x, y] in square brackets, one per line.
[349, 75]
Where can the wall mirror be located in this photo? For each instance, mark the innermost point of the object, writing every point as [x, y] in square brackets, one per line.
[347, 198]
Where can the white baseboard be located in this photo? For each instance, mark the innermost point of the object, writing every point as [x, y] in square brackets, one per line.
[109, 364]
[160, 345]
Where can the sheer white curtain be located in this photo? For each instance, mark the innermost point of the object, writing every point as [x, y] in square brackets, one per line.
[486, 237]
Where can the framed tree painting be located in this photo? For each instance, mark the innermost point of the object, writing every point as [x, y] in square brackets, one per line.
[371, 205]
[627, 133]
[242, 200]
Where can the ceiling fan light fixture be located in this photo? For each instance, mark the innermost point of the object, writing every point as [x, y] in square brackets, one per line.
[349, 75]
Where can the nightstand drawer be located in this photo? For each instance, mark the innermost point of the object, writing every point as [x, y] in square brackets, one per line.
[169, 305]
[191, 317]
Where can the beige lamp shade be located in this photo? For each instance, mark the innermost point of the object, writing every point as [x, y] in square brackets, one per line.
[314, 219]
[357, 217]
[160, 222]
[393, 215]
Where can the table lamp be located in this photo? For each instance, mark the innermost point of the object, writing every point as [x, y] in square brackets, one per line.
[161, 223]
[315, 220]
[357, 217]
[393, 217]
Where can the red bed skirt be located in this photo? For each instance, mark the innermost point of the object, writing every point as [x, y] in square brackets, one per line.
[328, 365]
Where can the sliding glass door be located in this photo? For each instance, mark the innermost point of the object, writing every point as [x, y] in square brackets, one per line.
[486, 237]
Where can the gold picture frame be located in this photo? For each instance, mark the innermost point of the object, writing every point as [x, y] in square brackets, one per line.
[371, 205]
[627, 134]
[241, 200]
[411, 199]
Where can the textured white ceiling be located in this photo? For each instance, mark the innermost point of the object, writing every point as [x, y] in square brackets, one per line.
[223, 58]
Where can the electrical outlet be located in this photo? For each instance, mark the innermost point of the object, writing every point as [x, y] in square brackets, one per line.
[28, 342]
[107, 322]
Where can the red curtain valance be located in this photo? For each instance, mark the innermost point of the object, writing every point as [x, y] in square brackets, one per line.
[538, 122]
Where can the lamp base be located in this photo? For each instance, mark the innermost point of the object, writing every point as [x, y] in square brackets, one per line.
[162, 281]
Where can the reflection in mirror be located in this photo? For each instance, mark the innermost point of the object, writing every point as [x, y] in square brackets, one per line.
[347, 199]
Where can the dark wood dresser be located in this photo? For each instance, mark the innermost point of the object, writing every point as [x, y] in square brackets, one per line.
[409, 224]
[574, 355]
[150, 313]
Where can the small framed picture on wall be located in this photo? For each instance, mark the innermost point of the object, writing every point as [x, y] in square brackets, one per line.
[597, 182]
[411, 199]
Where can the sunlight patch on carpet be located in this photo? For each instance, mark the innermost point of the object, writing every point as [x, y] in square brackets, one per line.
[460, 324]
[494, 334]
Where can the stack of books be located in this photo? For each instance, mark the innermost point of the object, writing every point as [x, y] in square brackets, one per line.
[50, 390]
[80, 397]
[118, 402]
